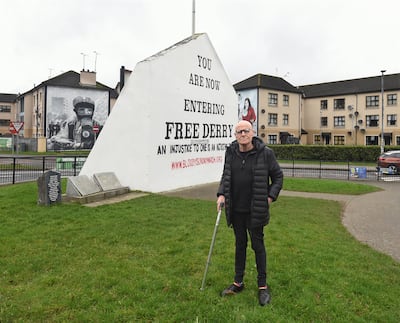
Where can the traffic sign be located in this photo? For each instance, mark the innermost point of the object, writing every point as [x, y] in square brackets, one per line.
[16, 126]
[96, 128]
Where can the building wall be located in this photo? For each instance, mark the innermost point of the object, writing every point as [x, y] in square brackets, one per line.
[7, 114]
[26, 116]
[268, 127]
[34, 113]
[354, 126]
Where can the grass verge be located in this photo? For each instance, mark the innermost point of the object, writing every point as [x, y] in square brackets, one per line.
[144, 259]
[327, 186]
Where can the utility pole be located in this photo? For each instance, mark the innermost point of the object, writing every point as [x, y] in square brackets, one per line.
[383, 114]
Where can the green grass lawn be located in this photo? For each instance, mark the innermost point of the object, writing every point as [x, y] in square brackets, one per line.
[143, 260]
[327, 186]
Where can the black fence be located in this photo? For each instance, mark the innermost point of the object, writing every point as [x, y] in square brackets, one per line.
[329, 170]
[18, 169]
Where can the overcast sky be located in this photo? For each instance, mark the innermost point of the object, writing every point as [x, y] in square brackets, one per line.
[304, 41]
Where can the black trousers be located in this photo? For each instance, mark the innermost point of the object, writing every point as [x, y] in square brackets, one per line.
[242, 231]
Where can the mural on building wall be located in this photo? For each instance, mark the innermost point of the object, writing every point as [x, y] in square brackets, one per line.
[74, 117]
[247, 107]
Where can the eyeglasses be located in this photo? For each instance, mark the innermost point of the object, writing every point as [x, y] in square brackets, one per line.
[239, 132]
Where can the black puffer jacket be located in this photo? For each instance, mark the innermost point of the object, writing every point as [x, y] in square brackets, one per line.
[267, 182]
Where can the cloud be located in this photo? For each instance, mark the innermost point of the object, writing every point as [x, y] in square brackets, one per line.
[314, 41]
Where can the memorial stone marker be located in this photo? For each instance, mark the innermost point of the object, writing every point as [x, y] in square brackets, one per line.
[49, 188]
[107, 181]
[81, 185]
[171, 123]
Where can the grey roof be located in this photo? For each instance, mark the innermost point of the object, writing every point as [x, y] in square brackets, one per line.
[9, 98]
[72, 79]
[266, 82]
[346, 87]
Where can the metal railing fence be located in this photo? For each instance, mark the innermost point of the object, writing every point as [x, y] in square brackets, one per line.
[18, 169]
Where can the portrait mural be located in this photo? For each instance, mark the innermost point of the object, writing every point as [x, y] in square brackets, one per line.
[247, 107]
[75, 117]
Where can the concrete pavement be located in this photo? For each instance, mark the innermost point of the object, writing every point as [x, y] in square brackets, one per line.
[374, 218]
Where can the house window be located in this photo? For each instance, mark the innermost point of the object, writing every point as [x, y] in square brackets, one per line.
[317, 139]
[372, 101]
[324, 121]
[4, 123]
[285, 119]
[392, 99]
[371, 140]
[22, 105]
[339, 121]
[272, 139]
[272, 99]
[324, 104]
[338, 140]
[372, 120]
[397, 140]
[338, 104]
[286, 100]
[392, 119]
[272, 119]
[5, 108]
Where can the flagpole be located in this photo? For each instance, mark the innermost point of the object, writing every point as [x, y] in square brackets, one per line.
[193, 16]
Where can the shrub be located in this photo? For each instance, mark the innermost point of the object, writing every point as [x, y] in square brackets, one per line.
[334, 153]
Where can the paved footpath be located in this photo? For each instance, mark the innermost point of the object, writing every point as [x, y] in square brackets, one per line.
[372, 218]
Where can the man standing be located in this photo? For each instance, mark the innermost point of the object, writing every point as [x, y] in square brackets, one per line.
[251, 181]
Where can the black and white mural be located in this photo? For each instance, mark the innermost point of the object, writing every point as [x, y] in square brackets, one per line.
[74, 117]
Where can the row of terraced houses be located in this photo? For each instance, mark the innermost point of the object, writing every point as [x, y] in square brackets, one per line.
[347, 112]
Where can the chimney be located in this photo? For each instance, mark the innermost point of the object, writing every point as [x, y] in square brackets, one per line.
[88, 78]
[121, 77]
[124, 74]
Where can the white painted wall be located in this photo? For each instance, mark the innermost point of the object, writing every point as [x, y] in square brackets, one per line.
[138, 140]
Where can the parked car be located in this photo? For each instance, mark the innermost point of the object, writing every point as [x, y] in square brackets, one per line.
[390, 161]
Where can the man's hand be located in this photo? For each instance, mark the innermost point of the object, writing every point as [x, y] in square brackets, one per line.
[220, 202]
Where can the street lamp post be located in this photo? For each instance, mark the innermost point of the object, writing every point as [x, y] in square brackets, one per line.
[383, 107]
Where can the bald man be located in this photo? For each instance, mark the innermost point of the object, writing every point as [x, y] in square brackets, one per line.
[250, 182]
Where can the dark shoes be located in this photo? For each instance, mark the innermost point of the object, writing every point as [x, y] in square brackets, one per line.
[233, 289]
[264, 296]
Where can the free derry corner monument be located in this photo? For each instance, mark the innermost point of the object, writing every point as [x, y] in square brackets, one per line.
[171, 123]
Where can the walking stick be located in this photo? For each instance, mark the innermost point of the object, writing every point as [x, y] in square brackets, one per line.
[212, 245]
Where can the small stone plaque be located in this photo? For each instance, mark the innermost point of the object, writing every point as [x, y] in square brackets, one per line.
[107, 181]
[81, 185]
[49, 188]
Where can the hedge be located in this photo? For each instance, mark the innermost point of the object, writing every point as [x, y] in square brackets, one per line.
[329, 153]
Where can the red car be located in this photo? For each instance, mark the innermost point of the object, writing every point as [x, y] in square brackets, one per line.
[390, 160]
